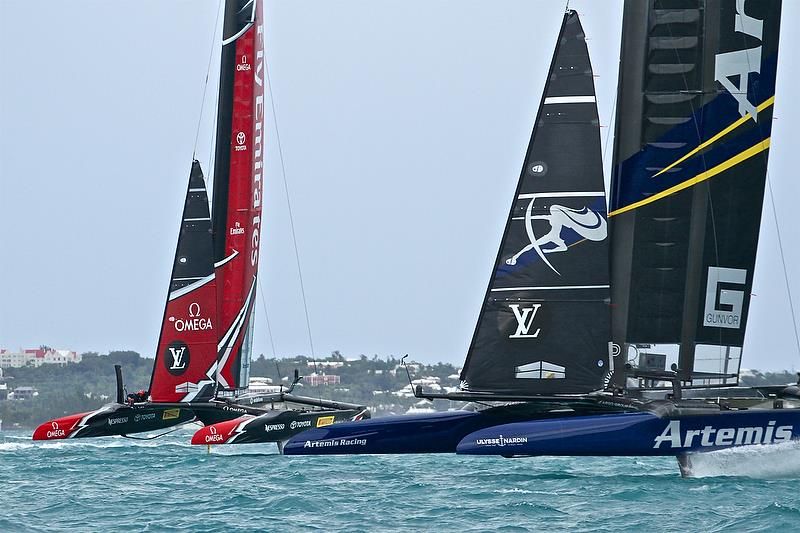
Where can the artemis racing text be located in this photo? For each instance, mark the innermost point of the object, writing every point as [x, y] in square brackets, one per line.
[710, 436]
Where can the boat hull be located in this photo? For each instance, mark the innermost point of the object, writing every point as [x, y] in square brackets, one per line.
[115, 419]
[274, 426]
[417, 433]
[635, 434]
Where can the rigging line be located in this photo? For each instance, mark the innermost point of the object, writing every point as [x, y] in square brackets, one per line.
[783, 262]
[778, 229]
[608, 133]
[289, 207]
[208, 74]
[266, 317]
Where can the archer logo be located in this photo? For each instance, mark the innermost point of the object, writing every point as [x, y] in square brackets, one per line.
[576, 225]
[525, 318]
[176, 358]
[723, 305]
[741, 63]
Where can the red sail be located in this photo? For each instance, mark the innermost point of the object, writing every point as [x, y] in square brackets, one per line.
[237, 270]
[186, 358]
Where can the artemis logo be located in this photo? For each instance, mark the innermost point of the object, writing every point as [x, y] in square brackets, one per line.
[56, 432]
[176, 358]
[710, 436]
[525, 319]
[724, 306]
[741, 63]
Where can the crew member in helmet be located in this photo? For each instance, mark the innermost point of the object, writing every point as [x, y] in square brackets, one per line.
[140, 396]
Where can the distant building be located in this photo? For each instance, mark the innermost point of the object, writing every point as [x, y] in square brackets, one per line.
[23, 393]
[322, 379]
[37, 357]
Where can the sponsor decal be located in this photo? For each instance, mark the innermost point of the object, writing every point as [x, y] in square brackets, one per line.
[739, 64]
[673, 437]
[118, 420]
[234, 409]
[538, 168]
[237, 229]
[241, 138]
[213, 436]
[525, 319]
[243, 65]
[300, 424]
[176, 358]
[324, 421]
[144, 417]
[540, 370]
[56, 431]
[724, 305]
[195, 322]
[502, 441]
[258, 144]
[274, 427]
[334, 443]
[171, 414]
[587, 224]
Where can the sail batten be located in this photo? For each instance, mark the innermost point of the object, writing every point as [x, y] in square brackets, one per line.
[544, 325]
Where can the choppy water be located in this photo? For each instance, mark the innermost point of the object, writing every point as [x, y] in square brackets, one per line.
[114, 484]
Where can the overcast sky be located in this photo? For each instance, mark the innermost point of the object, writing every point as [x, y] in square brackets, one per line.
[403, 126]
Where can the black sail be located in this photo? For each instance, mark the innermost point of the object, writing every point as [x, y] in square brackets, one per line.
[545, 322]
[696, 93]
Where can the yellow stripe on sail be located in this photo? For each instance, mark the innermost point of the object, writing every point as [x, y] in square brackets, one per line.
[710, 173]
[765, 104]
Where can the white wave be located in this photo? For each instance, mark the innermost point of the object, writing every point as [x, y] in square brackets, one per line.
[14, 446]
[773, 461]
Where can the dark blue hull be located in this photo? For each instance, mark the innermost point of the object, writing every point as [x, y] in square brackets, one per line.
[635, 434]
[426, 433]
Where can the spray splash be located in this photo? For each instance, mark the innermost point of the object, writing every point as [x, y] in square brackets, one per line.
[775, 461]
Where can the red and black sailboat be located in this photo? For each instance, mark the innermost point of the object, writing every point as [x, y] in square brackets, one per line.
[201, 368]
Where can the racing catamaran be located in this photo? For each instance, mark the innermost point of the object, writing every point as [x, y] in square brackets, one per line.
[201, 368]
[571, 357]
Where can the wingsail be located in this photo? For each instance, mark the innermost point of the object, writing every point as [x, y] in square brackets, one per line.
[690, 161]
[238, 189]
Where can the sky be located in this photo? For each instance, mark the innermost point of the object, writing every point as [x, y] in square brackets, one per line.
[402, 124]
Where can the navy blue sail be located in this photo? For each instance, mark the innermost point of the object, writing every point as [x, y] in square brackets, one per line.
[545, 323]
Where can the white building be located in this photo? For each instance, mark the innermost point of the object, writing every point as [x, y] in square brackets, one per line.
[37, 357]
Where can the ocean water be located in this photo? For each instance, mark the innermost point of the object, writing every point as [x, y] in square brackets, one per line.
[115, 484]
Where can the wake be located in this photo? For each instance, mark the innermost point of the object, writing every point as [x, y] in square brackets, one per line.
[774, 461]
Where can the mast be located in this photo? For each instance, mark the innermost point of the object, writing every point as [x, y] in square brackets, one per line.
[544, 325]
[696, 92]
[238, 187]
